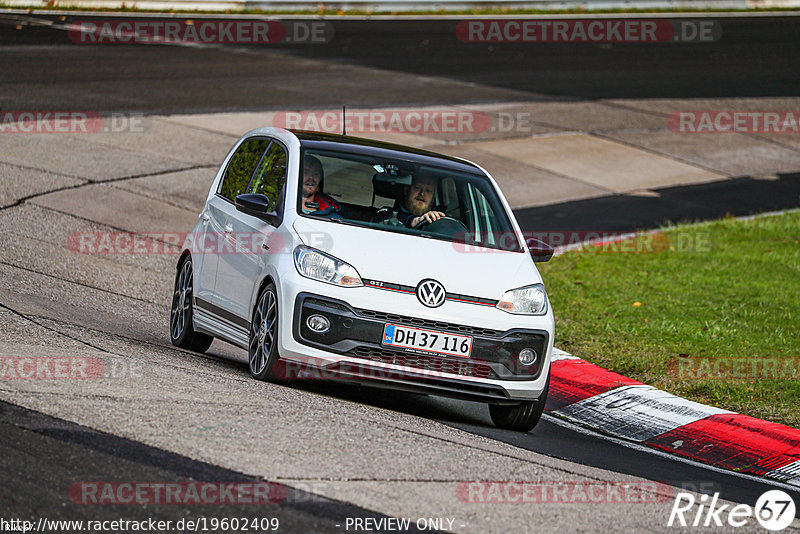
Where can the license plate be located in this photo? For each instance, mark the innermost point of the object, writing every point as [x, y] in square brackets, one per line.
[419, 340]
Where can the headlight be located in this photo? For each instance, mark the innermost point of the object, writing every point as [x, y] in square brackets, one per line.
[529, 300]
[317, 265]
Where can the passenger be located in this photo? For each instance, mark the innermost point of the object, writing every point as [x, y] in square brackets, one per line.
[314, 201]
[417, 204]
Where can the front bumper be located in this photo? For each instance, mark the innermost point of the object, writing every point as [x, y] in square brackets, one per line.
[490, 373]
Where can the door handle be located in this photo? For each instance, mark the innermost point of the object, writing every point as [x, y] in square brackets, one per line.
[205, 217]
[228, 229]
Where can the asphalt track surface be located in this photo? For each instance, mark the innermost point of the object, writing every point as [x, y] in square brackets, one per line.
[758, 57]
[80, 453]
[755, 57]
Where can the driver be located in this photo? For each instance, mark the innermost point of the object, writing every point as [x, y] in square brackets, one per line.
[417, 204]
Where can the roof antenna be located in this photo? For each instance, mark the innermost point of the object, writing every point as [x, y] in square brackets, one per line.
[344, 126]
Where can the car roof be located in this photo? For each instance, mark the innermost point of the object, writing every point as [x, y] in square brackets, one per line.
[380, 149]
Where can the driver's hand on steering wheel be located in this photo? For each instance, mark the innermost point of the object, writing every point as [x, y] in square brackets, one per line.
[429, 217]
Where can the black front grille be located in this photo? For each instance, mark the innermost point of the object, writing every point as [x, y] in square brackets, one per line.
[425, 323]
[421, 361]
[326, 304]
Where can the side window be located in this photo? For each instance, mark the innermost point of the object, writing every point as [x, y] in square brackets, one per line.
[449, 197]
[241, 167]
[484, 215]
[270, 177]
[474, 223]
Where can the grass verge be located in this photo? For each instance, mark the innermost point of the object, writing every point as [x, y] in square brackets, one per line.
[710, 312]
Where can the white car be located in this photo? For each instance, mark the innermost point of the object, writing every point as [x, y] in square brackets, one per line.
[345, 258]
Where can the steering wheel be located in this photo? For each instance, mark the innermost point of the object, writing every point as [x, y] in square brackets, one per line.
[447, 226]
[382, 215]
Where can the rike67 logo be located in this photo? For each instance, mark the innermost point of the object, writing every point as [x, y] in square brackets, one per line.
[774, 510]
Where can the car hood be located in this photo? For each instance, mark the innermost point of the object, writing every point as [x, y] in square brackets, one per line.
[406, 259]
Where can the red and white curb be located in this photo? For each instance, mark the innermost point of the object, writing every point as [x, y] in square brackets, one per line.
[607, 402]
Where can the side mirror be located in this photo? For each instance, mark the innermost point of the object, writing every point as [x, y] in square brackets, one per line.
[256, 205]
[540, 251]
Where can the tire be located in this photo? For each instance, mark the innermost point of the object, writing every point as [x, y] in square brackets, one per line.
[523, 416]
[181, 325]
[262, 347]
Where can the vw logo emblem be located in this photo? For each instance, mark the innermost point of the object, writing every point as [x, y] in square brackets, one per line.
[431, 293]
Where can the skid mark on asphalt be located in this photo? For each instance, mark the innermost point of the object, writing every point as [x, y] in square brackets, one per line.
[97, 258]
[164, 200]
[162, 293]
[110, 292]
[46, 171]
[90, 182]
[30, 319]
[118, 350]
[58, 239]
[106, 339]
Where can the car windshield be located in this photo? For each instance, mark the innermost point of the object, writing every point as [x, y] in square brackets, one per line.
[394, 196]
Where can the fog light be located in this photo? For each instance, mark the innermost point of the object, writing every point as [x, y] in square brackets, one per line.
[318, 324]
[527, 356]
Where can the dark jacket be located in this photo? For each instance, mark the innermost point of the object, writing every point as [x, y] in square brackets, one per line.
[405, 216]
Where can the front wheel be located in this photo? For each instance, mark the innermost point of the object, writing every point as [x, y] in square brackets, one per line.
[181, 327]
[263, 345]
[523, 416]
